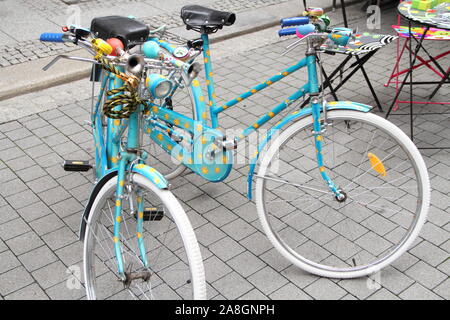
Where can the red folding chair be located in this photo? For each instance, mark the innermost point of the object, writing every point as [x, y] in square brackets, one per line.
[430, 62]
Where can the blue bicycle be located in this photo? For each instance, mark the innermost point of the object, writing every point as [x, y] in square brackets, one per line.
[340, 191]
[138, 240]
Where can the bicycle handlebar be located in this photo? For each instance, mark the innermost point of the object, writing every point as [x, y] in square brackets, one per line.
[300, 31]
[52, 37]
[296, 21]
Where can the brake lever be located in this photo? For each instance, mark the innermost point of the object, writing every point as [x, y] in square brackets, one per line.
[295, 44]
[161, 30]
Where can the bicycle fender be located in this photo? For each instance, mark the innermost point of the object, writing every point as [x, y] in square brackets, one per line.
[334, 105]
[147, 171]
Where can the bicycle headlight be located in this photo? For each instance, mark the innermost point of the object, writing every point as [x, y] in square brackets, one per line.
[158, 85]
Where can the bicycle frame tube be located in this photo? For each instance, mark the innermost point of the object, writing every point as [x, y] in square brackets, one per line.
[101, 163]
[214, 110]
[133, 143]
[311, 87]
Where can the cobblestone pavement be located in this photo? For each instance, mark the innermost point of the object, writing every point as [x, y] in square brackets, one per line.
[51, 14]
[41, 205]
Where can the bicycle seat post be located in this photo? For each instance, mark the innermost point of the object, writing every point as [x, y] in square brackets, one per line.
[209, 76]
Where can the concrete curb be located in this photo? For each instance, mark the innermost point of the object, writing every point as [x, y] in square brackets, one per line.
[29, 77]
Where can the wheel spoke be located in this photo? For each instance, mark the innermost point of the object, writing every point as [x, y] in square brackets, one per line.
[366, 228]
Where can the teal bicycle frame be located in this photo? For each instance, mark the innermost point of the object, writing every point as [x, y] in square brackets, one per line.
[112, 160]
[214, 173]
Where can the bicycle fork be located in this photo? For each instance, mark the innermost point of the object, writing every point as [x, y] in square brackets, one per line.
[125, 160]
[318, 139]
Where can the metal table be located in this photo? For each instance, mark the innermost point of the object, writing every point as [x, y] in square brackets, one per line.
[438, 17]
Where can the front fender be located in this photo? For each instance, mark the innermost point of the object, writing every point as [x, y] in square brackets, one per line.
[147, 171]
[334, 105]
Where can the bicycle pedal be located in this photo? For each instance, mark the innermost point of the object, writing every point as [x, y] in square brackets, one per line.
[76, 165]
[152, 214]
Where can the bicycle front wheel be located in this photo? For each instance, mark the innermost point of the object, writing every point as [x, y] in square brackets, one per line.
[376, 166]
[175, 267]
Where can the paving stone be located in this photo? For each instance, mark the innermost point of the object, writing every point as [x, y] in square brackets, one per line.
[405, 261]
[238, 229]
[437, 216]
[20, 163]
[3, 246]
[24, 243]
[72, 180]
[430, 253]
[394, 281]
[12, 187]
[203, 203]
[22, 199]
[54, 195]
[14, 280]
[232, 200]
[443, 289]
[445, 266]
[254, 294]
[246, 264]
[383, 294]
[267, 280]
[71, 254]
[273, 258]
[42, 184]
[31, 292]
[418, 292]
[208, 234]
[82, 193]
[51, 274]
[8, 261]
[257, 243]
[226, 248]
[13, 228]
[7, 213]
[46, 224]
[11, 153]
[9, 126]
[37, 258]
[232, 286]
[28, 142]
[59, 238]
[325, 289]
[18, 134]
[6, 175]
[289, 292]
[426, 275]
[361, 288]
[34, 211]
[220, 216]
[434, 234]
[31, 173]
[67, 207]
[187, 192]
[215, 269]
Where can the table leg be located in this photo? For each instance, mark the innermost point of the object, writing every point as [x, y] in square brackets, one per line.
[416, 52]
[444, 79]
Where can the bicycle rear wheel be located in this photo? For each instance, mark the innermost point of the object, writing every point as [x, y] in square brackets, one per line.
[382, 174]
[175, 267]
